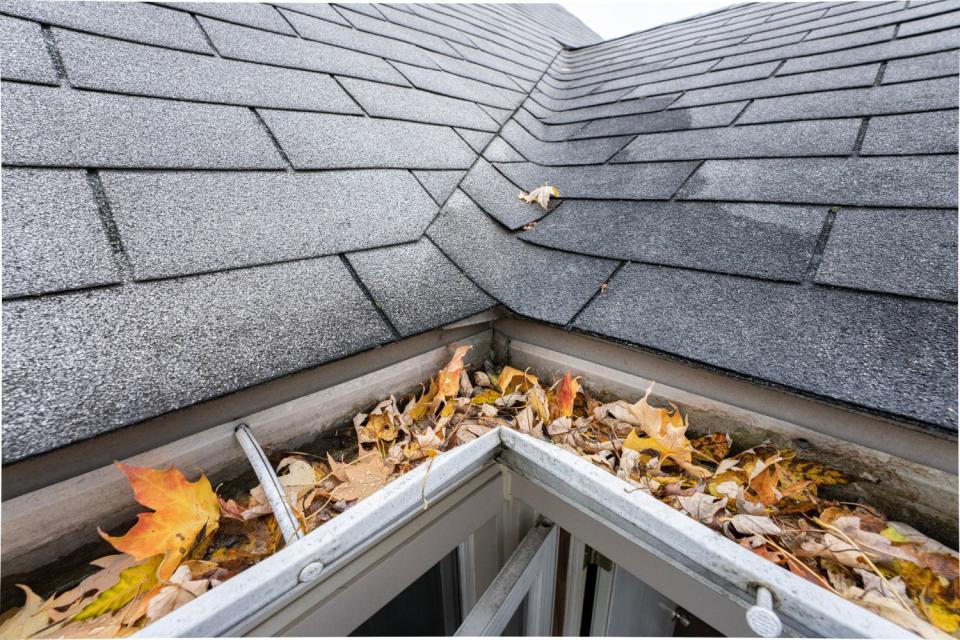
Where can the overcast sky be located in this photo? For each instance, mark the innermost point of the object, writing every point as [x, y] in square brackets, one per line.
[614, 19]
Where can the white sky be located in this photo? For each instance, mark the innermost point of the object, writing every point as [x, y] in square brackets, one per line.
[614, 19]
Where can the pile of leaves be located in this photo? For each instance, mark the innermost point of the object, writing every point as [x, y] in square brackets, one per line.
[763, 498]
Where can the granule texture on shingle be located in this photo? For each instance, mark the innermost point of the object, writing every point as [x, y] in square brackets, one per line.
[645, 181]
[322, 141]
[592, 151]
[476, 139]
[904, 181]
[136, 21]
[541, 283]
[900, 48]
[718, 115]
[383, 101]
[885, 353]
[901, 251]
[253, 45]
[417, 286]
[24, 52]
[499, 151]
[761, 240]
[788, 139]
[498, 196]
[934, 132]
[439, 184]
[327, 32]
[737, 75]
[895, 98]
[52, 127]
[52, 235]
[922, 67]
[624, 108]
[79, 365]
[108, 65]
[768, 50]
[381, 27]
[862, 76]
[190, 222]
[450, 85]
[316, 9]
[251, 14]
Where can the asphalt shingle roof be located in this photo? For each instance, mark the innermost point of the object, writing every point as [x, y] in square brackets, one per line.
[199, 197]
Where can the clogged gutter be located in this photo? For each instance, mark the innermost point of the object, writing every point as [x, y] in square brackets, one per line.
[764, 498]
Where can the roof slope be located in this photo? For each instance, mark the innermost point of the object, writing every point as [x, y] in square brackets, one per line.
[201, 197]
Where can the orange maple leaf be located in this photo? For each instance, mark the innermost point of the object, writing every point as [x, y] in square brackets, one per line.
[181, 511]
[566, 394]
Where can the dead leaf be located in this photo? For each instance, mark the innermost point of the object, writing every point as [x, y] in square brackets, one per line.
[540, 195]
[362, 479]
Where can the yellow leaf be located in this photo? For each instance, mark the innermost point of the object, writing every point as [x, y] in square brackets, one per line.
[420, 407]
[487, 396]
[363, 478]
[822, 475]
[943, 618]
[506, 380]
[182, 511]
[134, 581]
[894, 535]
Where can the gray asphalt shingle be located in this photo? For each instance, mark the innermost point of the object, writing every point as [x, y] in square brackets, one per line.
[915, 133]
[498, 196]
[135, 21]
[912, 253]
[329, 33]
[762, 240]
[381, 27]
[847, 77]
[907, 181]
[464, 88]
[253, 45]
[439, 184]
[99, 63]
[895, 98]
[145, 349]
[900, 48]
[788, 139]
[476, 139]
[885, 353]
[250, 14]
[718, 115]
[24, 52]
[82, 129]
[411, 104]
[321, 141]
[921, 67]
[229, 166]
[181, 223]
[653, 181]
[506, 267]
[417, 286]
[52, 235]
[593, 151]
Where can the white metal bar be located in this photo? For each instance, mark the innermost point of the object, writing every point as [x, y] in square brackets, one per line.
[529, 562]
[602, 599]
[538, 618]
[692, 565]
[255, 594]
[282, 511]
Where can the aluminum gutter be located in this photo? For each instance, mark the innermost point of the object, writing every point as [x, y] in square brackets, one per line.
[720, 565]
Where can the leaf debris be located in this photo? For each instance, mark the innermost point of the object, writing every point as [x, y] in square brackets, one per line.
[763, 498]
